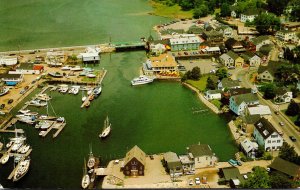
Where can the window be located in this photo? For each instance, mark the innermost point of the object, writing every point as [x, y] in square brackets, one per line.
[269, 141]
[278, 141]
[274, 136]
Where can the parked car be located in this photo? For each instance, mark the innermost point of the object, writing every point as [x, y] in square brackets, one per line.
[233, 162]
[2, 106]
[10, 101]
[197, 181]
[191, 182]
[186, 53]
[281, 123]
[293, 138]
[239, 163]
[276, 112]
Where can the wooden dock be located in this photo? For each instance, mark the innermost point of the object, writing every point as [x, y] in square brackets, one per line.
[11, 131]
[59, 129]
[14, 170]
[55, 125]
[10, 123]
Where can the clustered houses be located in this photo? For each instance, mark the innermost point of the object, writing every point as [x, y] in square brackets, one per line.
[239, 103]
[287, 35]
[249, 15]
[251, 59]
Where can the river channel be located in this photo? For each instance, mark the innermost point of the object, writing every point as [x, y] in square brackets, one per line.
[157, 117]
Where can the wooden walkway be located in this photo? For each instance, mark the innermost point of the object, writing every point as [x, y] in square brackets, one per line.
[55, 125]
[14, 170]
[10, 123]
[11, 131]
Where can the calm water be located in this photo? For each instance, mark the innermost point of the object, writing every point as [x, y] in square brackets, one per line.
[157, 117]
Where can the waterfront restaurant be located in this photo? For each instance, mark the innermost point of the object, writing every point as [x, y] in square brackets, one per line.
[162, 63]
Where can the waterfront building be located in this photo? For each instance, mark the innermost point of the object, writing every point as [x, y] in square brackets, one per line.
[134, 162]
[261, 41]
[202, 155]
[28, 69]
[173, 164]
[158, 47]
[282, 95]
[161, 63]
[266, 135]
[249, 15]
[11, 79]
[251, 59]
[239, 103]
[185, 42]
[213, 94]
[8, 61]
[249, 147]
[91, 55]
[227, 83]
[285, 167]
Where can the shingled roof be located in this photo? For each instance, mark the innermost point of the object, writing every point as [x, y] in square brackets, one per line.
[137, 153]
[199, 150]
[233, 55]
[285, 167]
[247, 55]
[259, 39]
[281, 91]
[245, 98]
[265, 128]
[228, 83]
[271, 67]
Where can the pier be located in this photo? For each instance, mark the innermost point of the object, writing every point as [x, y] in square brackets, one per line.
[55, 125]
[129, 46]
[11, 131]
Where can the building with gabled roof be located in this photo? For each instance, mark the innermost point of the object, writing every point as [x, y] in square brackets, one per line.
[202, 155]
[173, 163]
[249, 15]
[234, 45]
[288, 168]
[267, 73]
[282, 95]
[134, 162]
[238, 61]
[227, 83]
[250, 58]
[261, 41]
[249, 147]
[266, 135]
[239, 103]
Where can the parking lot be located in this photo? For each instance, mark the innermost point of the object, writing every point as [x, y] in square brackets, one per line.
[205, 65]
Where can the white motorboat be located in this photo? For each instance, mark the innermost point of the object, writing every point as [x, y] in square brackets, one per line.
[16, 146]
[21, 147]
[141, 80]
[21, 169]
[27, 119]
[9, 144]
[90, 75]
[76, 68]
[3, 90]
[24, 111]
[44, 124]
[66, 68]
[89, 92]
[43, 97]
[76, 91]
[41, 133]
[1, 186]
[91, 161]
[4, 158]
[38, 103]
[25, 149]
[106, 129]
[55, 74]
[97, 90]
[60, 119]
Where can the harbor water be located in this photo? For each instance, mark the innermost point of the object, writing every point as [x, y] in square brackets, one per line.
[158, 117]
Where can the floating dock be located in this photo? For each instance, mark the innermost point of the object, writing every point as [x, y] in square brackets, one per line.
[55, 125]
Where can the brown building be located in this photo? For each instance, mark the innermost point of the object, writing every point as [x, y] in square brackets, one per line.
[134, 162]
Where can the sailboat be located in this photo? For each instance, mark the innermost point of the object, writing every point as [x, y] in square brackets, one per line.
[106, 129]
[83, 97]
[4, 158]
[91, 160]
[85, 178]
[21, 169]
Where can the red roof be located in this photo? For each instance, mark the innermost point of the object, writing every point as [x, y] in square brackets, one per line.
[38, 67]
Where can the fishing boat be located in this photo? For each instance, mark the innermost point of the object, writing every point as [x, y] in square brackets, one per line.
[76, 68]
[106, 129]
[141, 80]
[3, 90]
[91, 75]
[66, 68]
[55, 74]
[24, 111]
[43, 97]
[25, 149]
[21, 169]
[91, 160]
[37, 103]
[97, 90]
[85, 181]
[4, 159]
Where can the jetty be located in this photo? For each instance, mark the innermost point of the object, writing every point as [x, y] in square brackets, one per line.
[59, 126]
[23, 157]
[10, 123]
[11, 131]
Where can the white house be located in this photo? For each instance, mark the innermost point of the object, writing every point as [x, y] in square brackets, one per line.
[90, 55]
[239, 103]
[249, 15]
[266, 135]
[185, 42]
[251, 59]
[249, 147]
[202, 155]
[283, 95]
[213, 94]
[8, 61]
[228, 84]
[286, 35]
[261, 41]
[226, 30]
[157, 49]
[226, 60]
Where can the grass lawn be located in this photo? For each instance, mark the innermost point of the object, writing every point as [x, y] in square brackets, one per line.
[171, 12]
[217, 103]
[199, 84]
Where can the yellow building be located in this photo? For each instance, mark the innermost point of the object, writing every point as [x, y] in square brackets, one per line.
[160, 64]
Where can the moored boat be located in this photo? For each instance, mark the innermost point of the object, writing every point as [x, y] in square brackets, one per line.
[24, 111]
[38, 103]
[25, 149]
[76, 68]
[55, 75]
[21, 169]
[141, 80]
[4, 158]
[91, 160]
[91, 75]
[106, 129]
[85, 181]
[3, 90]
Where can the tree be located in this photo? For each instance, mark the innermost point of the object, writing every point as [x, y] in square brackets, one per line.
[258, 179]
[195, 73]
[186, 4]
[201, 11]
[269, 91]
[267, 23]
[277, 6]
[260, 152]
[295, 91]
[287, 152]
[222, 73]
[225, 10]
[293, 109]
[279, 180]
[210, 84]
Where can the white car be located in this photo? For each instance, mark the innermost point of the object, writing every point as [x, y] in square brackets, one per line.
[197, 181]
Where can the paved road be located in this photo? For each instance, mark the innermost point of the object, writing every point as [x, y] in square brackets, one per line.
[289, 129]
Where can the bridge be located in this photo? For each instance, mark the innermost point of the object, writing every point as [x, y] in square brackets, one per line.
[126, 46]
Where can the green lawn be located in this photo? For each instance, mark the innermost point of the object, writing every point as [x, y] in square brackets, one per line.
[199, 84]
[170, 12]
[217, 103]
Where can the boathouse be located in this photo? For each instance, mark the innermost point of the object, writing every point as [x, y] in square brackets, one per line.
[134, 162]
[11, 79]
